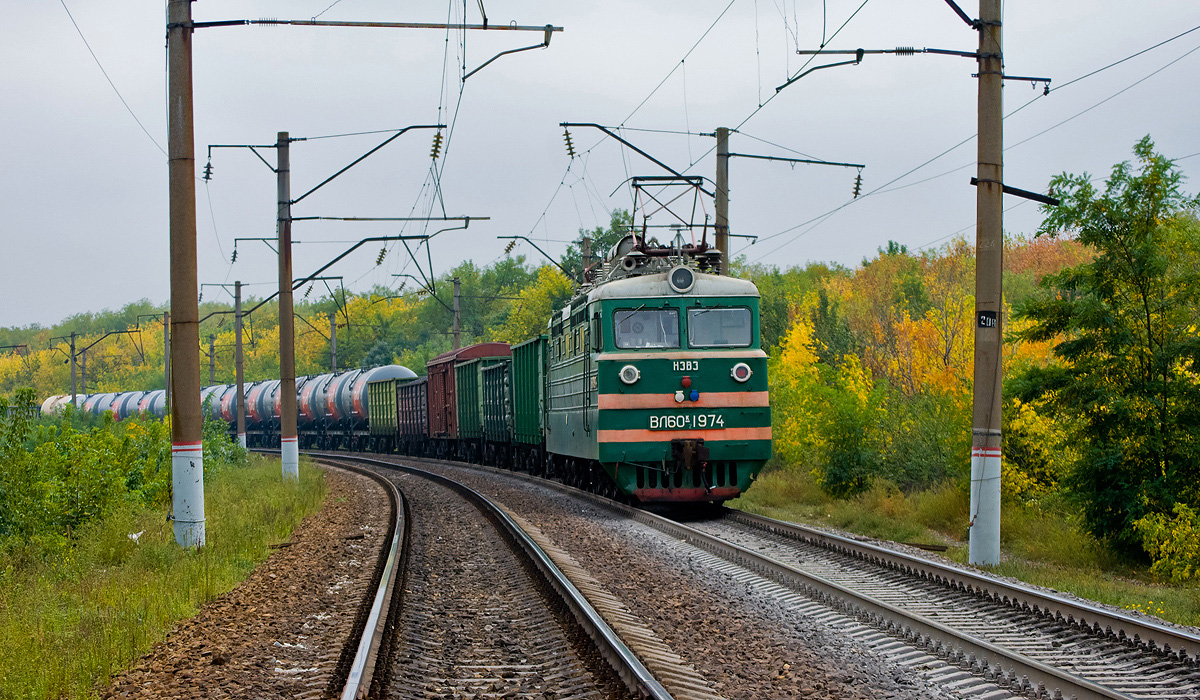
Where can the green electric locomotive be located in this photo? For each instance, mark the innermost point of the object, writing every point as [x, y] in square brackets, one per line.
[656, 377]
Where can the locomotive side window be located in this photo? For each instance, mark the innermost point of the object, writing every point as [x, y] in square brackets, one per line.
[646, 328]
[719, 328]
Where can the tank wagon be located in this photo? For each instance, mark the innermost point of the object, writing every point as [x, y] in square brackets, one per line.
[650, 383]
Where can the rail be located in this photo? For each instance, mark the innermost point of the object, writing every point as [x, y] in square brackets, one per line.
[1007, 667]
[627, 665]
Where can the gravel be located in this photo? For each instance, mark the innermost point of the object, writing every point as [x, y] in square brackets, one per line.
[743, 639]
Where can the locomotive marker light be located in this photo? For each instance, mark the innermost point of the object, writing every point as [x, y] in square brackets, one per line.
[681, 279]
[679, 396]
[741, 372]
[630, 374]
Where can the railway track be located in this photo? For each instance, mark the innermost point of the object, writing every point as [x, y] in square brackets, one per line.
[482, 611]
[981, 636]
[1028, 637]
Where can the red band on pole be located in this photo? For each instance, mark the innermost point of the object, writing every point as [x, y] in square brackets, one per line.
[985, 452]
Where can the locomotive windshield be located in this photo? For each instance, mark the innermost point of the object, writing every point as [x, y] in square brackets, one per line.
[646, 328]
[719, 328]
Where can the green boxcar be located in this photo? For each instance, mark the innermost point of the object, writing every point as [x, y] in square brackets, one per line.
[497, 407]
[470, 416]
[528, 380]
[381, 408]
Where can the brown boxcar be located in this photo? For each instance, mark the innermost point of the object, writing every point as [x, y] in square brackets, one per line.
[412, 426]
[443, 405]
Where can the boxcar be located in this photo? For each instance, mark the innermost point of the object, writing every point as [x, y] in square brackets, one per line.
[382, 414]
[528, 381]
[412, 420]
[468, 400]
[495, 382]
[443, 396]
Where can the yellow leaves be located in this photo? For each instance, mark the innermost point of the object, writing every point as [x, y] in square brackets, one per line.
[528, 318]
[1173, 543]
[794, 384]
[797, 357]
[854, 380]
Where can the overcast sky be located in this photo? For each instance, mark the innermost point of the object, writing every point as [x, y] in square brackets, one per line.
[83, 189]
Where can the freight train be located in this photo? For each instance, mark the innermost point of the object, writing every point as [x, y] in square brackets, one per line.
[650, 383]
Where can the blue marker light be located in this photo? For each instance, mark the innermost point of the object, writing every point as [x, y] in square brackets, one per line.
[695, 395]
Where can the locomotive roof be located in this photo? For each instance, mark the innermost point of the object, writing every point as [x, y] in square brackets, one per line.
[656, 286]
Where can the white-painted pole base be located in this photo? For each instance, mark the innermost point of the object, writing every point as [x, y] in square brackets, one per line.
[242, 440]
[984, 544]
[187, 493]
[290, 451]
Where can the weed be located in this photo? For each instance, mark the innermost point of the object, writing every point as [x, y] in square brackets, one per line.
[69, 622]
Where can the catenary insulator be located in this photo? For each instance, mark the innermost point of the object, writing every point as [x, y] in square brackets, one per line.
[570, 144]
[437, 145]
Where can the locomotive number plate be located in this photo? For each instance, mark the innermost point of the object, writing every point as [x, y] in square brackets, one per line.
[685, 365]
[687, 421]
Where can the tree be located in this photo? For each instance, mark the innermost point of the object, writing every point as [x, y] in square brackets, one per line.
[549, 293]
[602, 240]
[1128, 350]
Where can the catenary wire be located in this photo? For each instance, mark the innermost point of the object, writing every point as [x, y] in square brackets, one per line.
[109, 79]
[882, 188]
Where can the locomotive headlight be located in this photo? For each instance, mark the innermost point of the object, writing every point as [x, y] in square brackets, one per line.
[630, 374]
[741, 372]
[681, 279]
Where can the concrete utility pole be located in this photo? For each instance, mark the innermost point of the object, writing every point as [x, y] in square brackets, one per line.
[74, 393]
[288, 446]
[187, 449]
[240, 398]
[456, 289]
[721, 225]
[585, 256]
[984, 542]
[167, 361]
[332, 341]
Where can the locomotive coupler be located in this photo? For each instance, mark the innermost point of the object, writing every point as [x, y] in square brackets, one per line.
[690, 453]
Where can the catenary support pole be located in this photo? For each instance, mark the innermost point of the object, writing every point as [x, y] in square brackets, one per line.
[167, 362]
[187, 451]
[288, 447]
[240, 397]
[74, 393]
[984, 541]
[457, 285]
[721, 225]
[333, 341]
[585, 250]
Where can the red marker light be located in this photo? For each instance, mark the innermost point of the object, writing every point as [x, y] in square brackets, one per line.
[687, 382]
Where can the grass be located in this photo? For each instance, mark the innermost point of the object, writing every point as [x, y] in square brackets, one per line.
[1041, 543]
[68, 625]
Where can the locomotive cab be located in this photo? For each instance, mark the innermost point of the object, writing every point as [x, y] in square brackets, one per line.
[660, 380]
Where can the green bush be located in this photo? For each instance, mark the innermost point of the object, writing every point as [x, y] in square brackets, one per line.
[59, 473]
[1173, 543]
